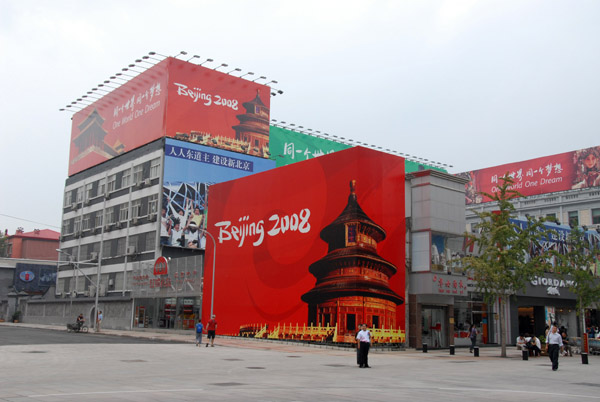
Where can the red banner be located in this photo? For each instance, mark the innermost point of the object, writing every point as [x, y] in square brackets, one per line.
[561, 172]
[283, 235]
[177, 99]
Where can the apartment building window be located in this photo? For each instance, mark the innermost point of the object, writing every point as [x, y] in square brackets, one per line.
[596, 216]
[86, 224]
[65, 227]
[98, 220]
[79, 194]
[77, 224]
[150, 240]
[154, 168]
[126, 179]
[109, 216]
[123, 212]
[112, 182]
[89, 191]
[68, 199]
[574, 218]
[101, 186]
[138, 174]
[153, 204]
[136, 208]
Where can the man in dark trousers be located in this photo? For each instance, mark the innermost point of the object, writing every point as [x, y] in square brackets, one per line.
[211, 329]
[364, 343]
[555, 343]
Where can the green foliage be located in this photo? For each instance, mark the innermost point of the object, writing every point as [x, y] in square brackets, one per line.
[576, 267]
[502, 265]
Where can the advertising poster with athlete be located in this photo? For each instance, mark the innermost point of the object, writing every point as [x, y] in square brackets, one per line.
[561, 172]
[175, 99]
[190, 170]
[310, 250]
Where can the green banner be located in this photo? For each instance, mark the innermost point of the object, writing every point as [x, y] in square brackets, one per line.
[287, 147]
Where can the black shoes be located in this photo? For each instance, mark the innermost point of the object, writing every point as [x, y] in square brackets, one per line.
[364, 366]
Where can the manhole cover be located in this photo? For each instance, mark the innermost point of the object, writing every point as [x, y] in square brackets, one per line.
[227, 384]
[36, 351]
[133, 361]
[255, 368]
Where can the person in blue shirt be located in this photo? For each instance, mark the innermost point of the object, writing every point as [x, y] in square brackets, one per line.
[199, 328]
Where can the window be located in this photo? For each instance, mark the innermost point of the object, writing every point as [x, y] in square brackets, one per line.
[154, 168]
[79, 194]
[126, 179]
[123, 212]
[89, 191]
[109, 216]
[596, 216]
[551, 216]
[136, 208]
[150, 240]
[573, 218]
[112, 183]
[98, 222]
[65, 227]
[68, 200]
[138, 173]
[101, 186]
[77, 224]
[153, 204]
[87, 222]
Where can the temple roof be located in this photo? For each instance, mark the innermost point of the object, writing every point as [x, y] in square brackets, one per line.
[352, 213]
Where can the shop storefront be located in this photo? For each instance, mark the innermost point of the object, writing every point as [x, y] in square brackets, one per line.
[546, 299]
[167, 294]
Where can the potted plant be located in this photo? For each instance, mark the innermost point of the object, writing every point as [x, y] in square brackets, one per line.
[16, 316]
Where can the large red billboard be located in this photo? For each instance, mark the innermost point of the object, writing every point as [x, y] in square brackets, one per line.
[176, 99]
[310, 250]
[561, 172]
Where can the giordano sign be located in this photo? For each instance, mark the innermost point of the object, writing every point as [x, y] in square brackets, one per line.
[544, 286]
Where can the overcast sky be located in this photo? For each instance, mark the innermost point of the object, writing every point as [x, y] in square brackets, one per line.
[471, 84]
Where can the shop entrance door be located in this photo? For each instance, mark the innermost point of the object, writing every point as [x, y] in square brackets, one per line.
[433, 327]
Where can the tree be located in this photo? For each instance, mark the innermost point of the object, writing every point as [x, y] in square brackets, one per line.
[502, 264]
[577, 267]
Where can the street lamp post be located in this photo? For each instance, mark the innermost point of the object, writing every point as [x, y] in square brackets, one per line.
[76, 265]
[212, 292]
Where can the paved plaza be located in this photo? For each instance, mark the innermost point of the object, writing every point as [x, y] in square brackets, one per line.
[258, 370]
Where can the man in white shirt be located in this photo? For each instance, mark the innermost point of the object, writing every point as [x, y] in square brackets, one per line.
[364, 343]
[555, 343]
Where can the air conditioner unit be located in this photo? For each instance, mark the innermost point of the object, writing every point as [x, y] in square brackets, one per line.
[111, 282]
[152, 217]
[118, 225]
[131, 250]
[73, 293]
[108, 227]
[94, 255]
[146, 182]
[64, 295]
[107, 195]
[102, 289]
[91, 292]
[88, 202]
[74, 205]
[135, 221]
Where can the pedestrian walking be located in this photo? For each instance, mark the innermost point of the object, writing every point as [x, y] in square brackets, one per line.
[199, 328]
[555, 343]
[364, 344]
[211, 329]
[99, 320]
[473, 337]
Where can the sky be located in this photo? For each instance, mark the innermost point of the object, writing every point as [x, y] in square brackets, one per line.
[471, 84]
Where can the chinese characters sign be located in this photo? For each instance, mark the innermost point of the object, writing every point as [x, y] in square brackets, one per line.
[174, 99]
[570, 170]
